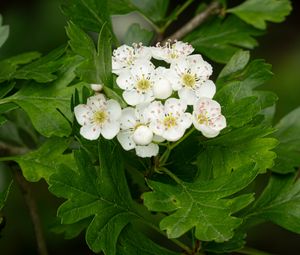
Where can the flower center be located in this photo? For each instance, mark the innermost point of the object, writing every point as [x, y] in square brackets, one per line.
[173, 55]
[143, 84]
[100, 117]
[189, 80]
[170, 121]
[202, 119]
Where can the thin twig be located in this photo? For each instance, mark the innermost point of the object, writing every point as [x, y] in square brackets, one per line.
[213, 8]
[33, 211]
[10, 150]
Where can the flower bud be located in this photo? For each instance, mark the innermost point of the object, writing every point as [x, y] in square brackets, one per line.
[162, 89]
[96, 87]
[142, 135]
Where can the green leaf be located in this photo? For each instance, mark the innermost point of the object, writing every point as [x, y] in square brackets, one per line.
[46, 104]
[88, 14]
[257, 12]
[136, 34]
[9, 66]
[279, 203]
[104, 56]
[96, 65]
[46, 160]
[131, 243]
[220, 39]
[234, 244]
[155, 10]
[71, 231]
[237, 63]
[4, 195]
[232, 150]
[4, 32]
[80, 43]
[102, 194]
[5, 88]
[236, 83]
[201, 204]
[288, 150]
[42, 69]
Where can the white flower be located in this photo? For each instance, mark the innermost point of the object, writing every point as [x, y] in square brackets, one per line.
[135, 133]
[170, 120]
[137, 83]
[96, 87]
[171, 51]
[190, 77]
[125, 56]
[98, 116]
[207, 117]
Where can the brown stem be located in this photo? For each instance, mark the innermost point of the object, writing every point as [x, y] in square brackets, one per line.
[213, 8]
[33, 211]
[10, 150]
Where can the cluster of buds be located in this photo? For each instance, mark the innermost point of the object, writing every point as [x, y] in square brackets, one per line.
[163, 100]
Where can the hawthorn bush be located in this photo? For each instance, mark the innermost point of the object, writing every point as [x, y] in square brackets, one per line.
[152, 149]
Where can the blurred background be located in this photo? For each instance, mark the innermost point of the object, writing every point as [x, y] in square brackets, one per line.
[38, 25]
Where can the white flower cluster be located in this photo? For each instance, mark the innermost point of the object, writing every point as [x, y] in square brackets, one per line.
[159, 99]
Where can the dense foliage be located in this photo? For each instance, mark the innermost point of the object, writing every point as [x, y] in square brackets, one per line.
[197, 192]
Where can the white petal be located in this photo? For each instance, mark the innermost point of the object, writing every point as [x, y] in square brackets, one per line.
[139, 112]
[174, 79]
[128, 118]
[147, 151]
[158, 139]
[157, 52]
[90, 132]
[142, 69]
[175, 106]
[220, 122]
[180, 66]
[183, 48]
[125, 80]
[125, 139]
[157, 127]
[97, 101]
[114, 109]
[206, 130]
[110, 129]
[82, 113]
[132, 97]
[187, 95]
[154, 111]
[185, 121]
[173, 134]
[206, 89]
[207, 105]
[142, 135]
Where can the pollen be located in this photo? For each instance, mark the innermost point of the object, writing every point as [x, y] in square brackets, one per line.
[143, 85]
[100, 117]
[170, 121]
[202, 119]
[189, 80]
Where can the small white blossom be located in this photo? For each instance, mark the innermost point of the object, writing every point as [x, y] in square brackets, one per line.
[135, 133]
[98, 116]
[96, 87]
[171, 51]
[190, 77]
[170, 120]
[137, 83]
[125, 56]
[207, 117]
